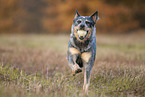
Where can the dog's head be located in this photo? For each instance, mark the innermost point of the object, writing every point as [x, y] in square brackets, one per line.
[83, 26]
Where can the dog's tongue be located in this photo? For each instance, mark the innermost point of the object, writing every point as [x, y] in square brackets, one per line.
[81, 33]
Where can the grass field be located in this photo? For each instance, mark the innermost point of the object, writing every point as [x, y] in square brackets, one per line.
[36, 66]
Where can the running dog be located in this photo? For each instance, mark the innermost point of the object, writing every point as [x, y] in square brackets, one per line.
[82, 46]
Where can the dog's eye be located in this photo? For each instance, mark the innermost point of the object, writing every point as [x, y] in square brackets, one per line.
[78, 21]
[88, 23]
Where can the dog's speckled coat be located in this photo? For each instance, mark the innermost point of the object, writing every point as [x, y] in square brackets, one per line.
[82, 49]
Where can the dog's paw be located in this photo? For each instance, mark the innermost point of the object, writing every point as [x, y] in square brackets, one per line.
[76, 70]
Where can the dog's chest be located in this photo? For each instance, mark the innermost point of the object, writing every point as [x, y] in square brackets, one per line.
[84, 55]
[82, 46]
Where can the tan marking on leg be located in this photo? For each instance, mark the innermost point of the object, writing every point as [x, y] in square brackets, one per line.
[86, 89]
[71, 66]
[87, 86]
[74, 68]
[73, 73]
[74, 51]
[86, 56]
[84, 86]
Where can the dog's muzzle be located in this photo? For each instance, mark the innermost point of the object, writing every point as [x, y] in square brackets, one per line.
[82, 34]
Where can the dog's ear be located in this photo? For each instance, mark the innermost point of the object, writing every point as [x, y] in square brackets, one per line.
[95, 17]
[76, 14]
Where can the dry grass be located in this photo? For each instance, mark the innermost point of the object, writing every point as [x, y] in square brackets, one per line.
[36, 65]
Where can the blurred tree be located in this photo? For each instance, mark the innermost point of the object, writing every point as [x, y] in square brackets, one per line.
[115, 16]
[53, 16]
[60, 14]
[136, 14]
[118, 19]
[29, 19]
[8, 11]
[139, 12]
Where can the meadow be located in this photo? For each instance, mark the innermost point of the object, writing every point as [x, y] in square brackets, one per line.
[33, 65]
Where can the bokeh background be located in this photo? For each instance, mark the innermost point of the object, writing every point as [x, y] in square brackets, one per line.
[55, 16]
[34, 36]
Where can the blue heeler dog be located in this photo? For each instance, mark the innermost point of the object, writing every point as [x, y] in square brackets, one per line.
[82, 46]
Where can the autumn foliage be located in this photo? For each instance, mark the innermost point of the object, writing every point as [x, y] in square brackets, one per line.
[55, 16]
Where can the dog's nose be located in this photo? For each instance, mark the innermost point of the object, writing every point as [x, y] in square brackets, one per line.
[82, 26]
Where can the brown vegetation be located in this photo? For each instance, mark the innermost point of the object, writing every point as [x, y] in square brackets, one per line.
[36, 65]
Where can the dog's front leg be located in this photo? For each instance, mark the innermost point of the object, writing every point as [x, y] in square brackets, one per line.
[87, 77]
[74, 66]
[73, 54]
[88, 64]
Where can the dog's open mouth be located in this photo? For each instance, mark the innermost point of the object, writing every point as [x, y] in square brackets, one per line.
[82, 34]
